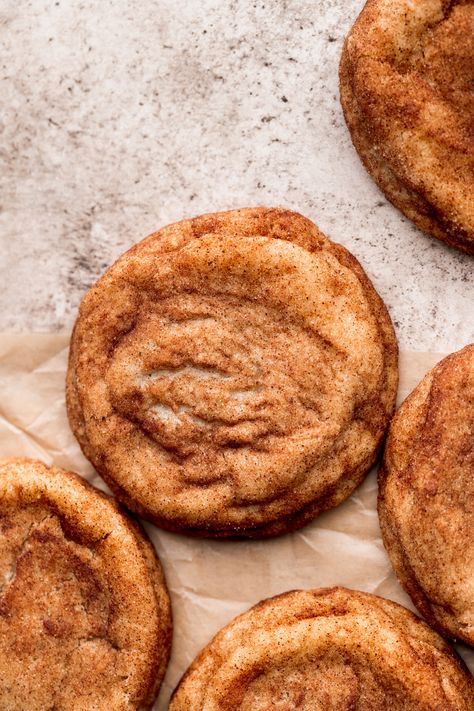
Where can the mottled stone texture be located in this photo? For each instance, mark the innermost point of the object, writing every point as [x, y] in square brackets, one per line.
[120, 117]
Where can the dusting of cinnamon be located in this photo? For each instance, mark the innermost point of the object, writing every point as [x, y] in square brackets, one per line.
[406, 80]
[84, 611]
[354, 651]
[233, 375]
[426, 499]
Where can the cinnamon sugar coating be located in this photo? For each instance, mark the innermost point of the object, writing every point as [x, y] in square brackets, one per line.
[232, 375]
[85, 618]
[406, 81]
[326, 650]
[426, 496]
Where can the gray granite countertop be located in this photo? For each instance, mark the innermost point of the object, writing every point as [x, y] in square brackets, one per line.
[123, 115]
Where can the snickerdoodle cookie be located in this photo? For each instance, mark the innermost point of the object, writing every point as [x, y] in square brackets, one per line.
[407, 77]
[84, 611]
[426, 500]
[326, 650]
[233, 374]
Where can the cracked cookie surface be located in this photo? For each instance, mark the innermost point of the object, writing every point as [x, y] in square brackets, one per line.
[406, 80]
[232, 374]
[84, 611]
[426, 495]
[326, 650]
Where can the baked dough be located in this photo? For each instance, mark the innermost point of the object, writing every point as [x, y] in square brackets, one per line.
[426, 499]
[232, 375]
[326, 650]
[84, 611]
[406, 80]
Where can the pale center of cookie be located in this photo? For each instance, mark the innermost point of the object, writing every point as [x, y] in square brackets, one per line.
[231, 371]
[310, 687]
[225, 374]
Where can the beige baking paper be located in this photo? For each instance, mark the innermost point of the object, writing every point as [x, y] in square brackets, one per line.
[210, 581]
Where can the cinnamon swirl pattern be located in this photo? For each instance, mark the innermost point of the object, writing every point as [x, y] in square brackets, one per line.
[84, 610]
[232, 375]
[326, 650]
[406, 79]
[426, 495]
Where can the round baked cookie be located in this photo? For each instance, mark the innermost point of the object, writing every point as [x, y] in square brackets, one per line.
[406, 79]
[233, 374]
[85, 617]
[326, 650]
[426, 495]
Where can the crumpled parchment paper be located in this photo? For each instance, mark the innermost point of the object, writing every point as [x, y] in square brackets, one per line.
[210, 581]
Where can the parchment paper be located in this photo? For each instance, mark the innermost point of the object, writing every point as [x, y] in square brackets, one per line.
[210, 581]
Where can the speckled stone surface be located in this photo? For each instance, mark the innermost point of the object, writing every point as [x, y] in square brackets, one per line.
[122, 116]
